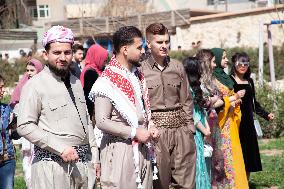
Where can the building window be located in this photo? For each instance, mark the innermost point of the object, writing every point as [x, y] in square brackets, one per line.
[212, 2]
[43, 11]
[33, 12]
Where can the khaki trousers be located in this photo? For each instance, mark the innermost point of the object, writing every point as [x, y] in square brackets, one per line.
[176, 158]
[117, 166]
[59, 175]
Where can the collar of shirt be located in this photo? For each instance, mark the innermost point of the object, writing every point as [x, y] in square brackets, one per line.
[47, 70]
[134, 80]
[80, 67]
[58, 78]
[128, 72]
[153, 63]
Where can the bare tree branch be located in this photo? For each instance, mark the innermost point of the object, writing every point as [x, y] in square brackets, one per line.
[24, 5]
[2, 9]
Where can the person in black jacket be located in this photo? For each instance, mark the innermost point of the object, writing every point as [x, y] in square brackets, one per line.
[78, 55]
[240, 74]
[96, 59]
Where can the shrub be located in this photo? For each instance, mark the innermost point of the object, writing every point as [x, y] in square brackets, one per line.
[272, 102]
[11, 72]
[253, 54]
[180, 55]
[6, 99]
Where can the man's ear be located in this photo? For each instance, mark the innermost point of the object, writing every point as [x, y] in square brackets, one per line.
[148, 44]
[123, 50]
[44, 55]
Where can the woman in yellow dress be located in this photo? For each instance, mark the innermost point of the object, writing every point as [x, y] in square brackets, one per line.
[229, 118]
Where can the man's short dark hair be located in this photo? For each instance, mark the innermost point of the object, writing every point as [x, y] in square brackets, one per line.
[77, 47]
[156, 29]
[125, 36]
[47, 47]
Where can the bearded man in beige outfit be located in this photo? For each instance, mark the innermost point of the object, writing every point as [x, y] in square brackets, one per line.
[122, 113]
[53, 116]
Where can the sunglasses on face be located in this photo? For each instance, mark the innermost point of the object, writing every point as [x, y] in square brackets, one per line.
[243, 64]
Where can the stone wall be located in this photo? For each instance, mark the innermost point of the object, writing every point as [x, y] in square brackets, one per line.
[240, 30]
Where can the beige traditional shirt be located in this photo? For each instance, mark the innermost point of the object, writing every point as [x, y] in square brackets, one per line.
[48, 117]
[168, 87]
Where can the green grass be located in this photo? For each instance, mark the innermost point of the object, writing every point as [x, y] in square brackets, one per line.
[273, 166]
[271, 176]
[272, 144]
[19, 183]
[19, 176]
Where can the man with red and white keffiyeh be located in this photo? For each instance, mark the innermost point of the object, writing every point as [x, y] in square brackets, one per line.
[122, 113]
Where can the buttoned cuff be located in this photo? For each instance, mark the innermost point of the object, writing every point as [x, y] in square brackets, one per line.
[133, 132]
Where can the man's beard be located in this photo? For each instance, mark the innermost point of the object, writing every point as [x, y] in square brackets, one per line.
[135, 62]
[60, 72]
[78, 60]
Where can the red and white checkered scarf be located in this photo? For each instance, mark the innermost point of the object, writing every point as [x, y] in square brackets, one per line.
[113, 78]
[124, 85]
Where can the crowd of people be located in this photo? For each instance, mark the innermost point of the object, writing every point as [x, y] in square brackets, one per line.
[137, 120]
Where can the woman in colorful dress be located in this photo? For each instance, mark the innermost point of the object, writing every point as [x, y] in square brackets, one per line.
[241, 76]
[229, 120]
[193, 70]
[215, 163]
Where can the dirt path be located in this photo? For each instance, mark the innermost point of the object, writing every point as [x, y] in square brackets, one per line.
[272, 152]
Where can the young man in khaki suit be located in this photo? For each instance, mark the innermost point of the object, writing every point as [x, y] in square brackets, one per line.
[171, 106]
